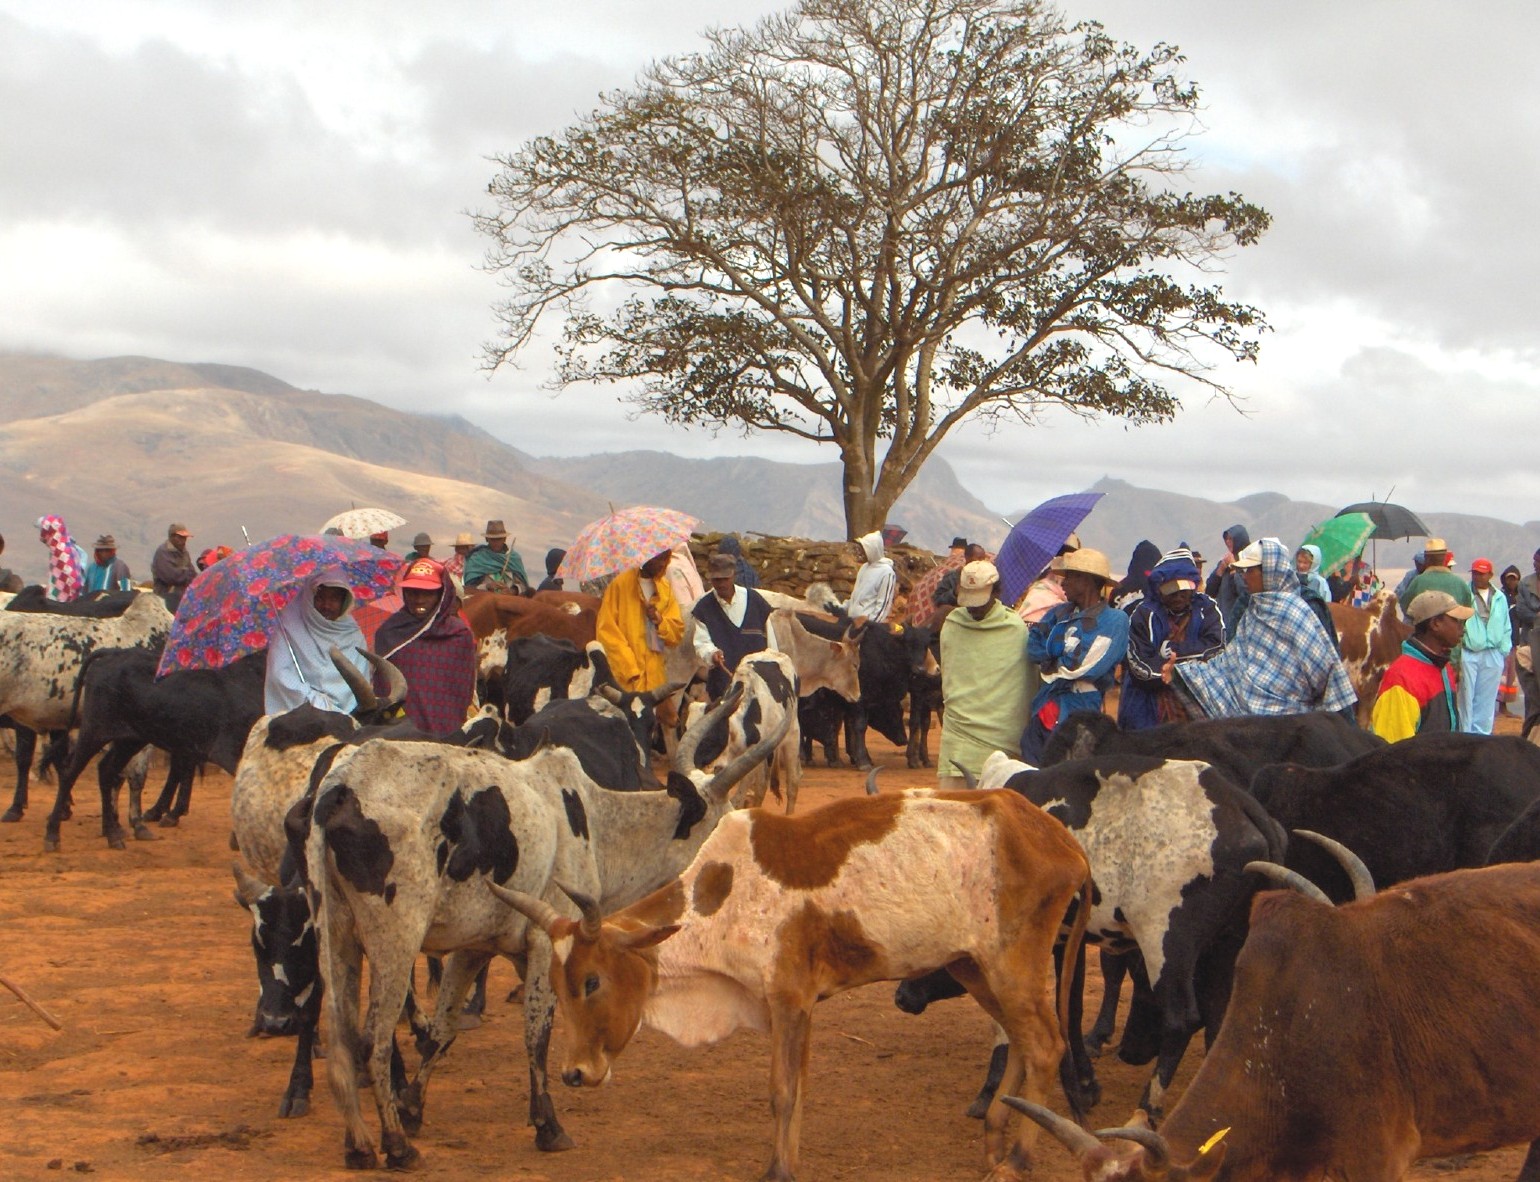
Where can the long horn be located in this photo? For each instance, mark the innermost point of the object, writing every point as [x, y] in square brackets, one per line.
[609, 693]
[684, 754]
[248, 887]
[592, 920]
[395, 680]
[1285, 877]
[1075, 1139]
[871, 781]
[1157, 1154]
[536, 910]
[722, 783]
[1358, 874]
[654, 696]
[357, 682]
[967, 776]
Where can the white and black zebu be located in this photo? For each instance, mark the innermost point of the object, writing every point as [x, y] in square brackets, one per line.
[404, 840]
[769, 683]
[1168, 842]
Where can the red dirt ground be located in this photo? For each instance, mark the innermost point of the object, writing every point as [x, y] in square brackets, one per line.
[145, 958]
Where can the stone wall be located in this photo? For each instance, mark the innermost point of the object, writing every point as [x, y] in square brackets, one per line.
[791, 565]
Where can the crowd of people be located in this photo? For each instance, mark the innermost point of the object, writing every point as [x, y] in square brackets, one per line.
[1255, 638]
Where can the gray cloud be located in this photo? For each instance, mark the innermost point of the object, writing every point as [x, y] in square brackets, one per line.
[284, 186]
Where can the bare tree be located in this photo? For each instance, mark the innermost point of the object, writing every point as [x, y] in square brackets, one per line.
[868, 220]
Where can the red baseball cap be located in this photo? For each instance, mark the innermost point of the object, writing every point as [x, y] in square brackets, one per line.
[425, 574]
[1481, 566]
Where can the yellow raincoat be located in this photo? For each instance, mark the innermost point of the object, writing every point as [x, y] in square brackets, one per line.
[621, 627]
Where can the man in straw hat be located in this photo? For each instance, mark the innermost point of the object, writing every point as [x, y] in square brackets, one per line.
[1280, 661]
[1076, 647]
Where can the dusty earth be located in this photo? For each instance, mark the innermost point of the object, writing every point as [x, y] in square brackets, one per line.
[145, 958]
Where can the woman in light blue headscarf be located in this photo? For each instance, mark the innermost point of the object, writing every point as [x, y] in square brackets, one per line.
[299, 664]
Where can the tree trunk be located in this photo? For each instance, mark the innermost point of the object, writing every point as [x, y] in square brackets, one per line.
[865, 510]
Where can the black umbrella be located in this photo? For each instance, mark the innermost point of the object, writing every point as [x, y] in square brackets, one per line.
[1390, 521]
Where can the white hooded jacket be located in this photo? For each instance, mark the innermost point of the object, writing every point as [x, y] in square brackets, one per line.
[876, 581]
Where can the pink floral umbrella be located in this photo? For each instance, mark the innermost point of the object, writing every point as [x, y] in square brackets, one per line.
[229, 609]
[624, 540]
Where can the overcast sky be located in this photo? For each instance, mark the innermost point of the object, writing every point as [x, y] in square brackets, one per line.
[284, 185]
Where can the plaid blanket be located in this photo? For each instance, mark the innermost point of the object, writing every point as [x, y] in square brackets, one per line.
[1280, 661]
[66, 560]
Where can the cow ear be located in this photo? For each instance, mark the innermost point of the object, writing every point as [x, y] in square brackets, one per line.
[645, 937]
[837, 647]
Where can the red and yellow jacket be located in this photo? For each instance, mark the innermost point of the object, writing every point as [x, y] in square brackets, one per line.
[1417, 694]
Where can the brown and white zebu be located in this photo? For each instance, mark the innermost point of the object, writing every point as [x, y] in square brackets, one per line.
[404, 841]
[778, 913]
[1359, 1039]
[1370, 638]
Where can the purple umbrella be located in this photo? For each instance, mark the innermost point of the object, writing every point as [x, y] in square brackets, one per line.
[1036, 538]
[229, 609]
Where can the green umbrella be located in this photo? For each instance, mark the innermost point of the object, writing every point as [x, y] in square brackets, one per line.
[1341, 540]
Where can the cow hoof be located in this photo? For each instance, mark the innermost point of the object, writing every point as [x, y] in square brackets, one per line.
[142, 833]
[153, 813]
[12, 815]
[406, 1159]
[409, 1109]
[292, 1106]
[115, 841]
[170, 821]
[50, 845]
[468, 1021]
[360, 1159]
[979, 1107]
[553, 1140]
[1095, 1044]
[865, 766]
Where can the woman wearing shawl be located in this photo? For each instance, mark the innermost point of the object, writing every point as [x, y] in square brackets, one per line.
[1175, 620]
[66, 560]
[872, 596]
[299, 664]
[983, 665]
[1280, 661]
[745, 576]
[432, 646]
[552, 581]
[1312, 585]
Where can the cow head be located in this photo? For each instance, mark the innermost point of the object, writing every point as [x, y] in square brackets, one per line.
[283, 940]
[602, 974]
[640, 709]
[1146, 1157]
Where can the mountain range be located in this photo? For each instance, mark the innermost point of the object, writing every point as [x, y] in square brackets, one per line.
[125, 445]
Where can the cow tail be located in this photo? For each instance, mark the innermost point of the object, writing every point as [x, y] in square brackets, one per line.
[1068, 1071]
[80, 687]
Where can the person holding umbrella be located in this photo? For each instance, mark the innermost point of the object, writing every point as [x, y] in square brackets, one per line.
[432, 646]
[638, 618]
[299, 665]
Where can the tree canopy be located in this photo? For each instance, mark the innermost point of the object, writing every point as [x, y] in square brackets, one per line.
[862, 222]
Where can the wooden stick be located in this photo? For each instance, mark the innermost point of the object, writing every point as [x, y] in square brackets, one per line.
[32, 1005]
